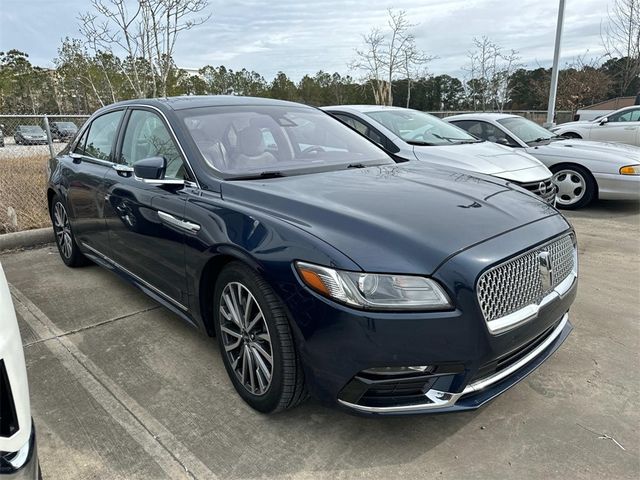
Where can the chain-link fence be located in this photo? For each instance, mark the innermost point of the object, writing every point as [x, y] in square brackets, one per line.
[26, 144]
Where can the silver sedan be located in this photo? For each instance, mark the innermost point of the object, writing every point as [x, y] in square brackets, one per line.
[582, 170]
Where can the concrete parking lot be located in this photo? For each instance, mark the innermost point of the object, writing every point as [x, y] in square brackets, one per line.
[122, 389]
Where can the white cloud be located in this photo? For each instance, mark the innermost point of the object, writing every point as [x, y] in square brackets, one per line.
[300, 37]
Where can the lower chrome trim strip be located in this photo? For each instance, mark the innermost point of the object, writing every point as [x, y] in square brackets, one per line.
[143, 282]
[439, 399]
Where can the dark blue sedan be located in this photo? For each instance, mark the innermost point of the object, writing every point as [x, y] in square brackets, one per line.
[321, 265]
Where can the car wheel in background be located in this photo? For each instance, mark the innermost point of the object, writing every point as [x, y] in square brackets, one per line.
[571, 135]
[256, 341]
[576, 187]
[67, 246]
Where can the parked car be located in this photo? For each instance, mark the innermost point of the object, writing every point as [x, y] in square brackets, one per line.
[582, 170]
[18, 452]
[30, 135]
[622, 126]
[63, 131]
[319, 263]
[411, 135]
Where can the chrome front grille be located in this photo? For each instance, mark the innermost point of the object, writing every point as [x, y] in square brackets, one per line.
[518, 283]
[544, 189]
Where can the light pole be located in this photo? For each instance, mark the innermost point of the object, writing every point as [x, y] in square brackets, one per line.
[554, 71]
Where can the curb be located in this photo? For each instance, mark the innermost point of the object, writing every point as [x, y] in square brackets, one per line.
[26, 239]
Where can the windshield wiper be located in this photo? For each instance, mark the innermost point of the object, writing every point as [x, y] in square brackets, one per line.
[267, 174]
[463, 142]
[419, 143]
[356, 165]
[540, 139]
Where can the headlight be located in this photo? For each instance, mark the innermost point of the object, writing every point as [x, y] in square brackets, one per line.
[374, 291]
[630, 170]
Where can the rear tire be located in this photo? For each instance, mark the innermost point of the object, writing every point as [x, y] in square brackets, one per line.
[65, 240]
[576, 186]
[256, 342]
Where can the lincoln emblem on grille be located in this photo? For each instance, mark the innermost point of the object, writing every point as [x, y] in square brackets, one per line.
[542, 188]
[546, 269]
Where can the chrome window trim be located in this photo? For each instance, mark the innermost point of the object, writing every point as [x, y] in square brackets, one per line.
[439, 399]
[128, 272]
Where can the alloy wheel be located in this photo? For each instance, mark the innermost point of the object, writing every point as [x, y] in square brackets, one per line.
[571, 186]
[245, 338]
[62, 229]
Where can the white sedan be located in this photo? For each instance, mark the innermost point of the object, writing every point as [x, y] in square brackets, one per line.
[582, 170]
[18, 453]
[415, 135]
[622, 126]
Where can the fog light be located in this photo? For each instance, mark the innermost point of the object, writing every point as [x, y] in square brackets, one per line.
[399, 370]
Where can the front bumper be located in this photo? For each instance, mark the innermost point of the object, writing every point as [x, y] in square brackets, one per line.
[482, 390]
[23, 464]
[613, 186]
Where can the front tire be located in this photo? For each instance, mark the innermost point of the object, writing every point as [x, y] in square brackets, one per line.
[576, 186]
[256, 342]
[572, 135]
[65, 240]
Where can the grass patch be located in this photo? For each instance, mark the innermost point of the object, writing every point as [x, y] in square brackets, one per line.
[23, 197]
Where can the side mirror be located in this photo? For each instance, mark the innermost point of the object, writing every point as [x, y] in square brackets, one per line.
[604, 120]
[152, 168]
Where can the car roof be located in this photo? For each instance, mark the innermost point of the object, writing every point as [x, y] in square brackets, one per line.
[481, 116]
[196, 101]
[362, 108]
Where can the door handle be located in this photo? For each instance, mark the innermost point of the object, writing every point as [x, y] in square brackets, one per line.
[123, 170]
[178, 223]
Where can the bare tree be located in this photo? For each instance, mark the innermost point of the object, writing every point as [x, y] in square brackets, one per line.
[385, 56]
[146, 32]
[370, 60]
[490, 70]
[621, 39]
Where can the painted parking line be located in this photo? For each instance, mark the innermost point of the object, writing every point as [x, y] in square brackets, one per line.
[171, 455]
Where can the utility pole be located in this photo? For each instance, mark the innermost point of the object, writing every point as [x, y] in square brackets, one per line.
[554, 71]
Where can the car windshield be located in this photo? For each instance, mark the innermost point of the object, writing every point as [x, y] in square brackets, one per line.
[254, 141]
[420, 128]
[67, 125]
[34, 130]
[526, 130]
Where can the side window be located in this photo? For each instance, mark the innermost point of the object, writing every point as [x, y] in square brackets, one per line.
[101, 135]
[495, 135]
[147, 136]
[472, 126]
[80, 146]
[632, 115]
[362, 128]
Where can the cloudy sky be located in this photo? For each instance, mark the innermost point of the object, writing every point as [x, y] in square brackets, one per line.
[300, 37]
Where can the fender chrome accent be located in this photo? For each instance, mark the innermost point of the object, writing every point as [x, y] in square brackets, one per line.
[438, 399]
[178, 223]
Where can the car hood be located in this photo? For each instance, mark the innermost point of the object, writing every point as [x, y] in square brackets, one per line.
[619, 153]
[487, 158]
[405, 218]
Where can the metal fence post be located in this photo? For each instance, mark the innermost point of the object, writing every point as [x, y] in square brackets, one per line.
[49, 138]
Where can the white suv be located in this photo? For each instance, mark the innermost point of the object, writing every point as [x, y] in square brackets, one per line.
[18, 453]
